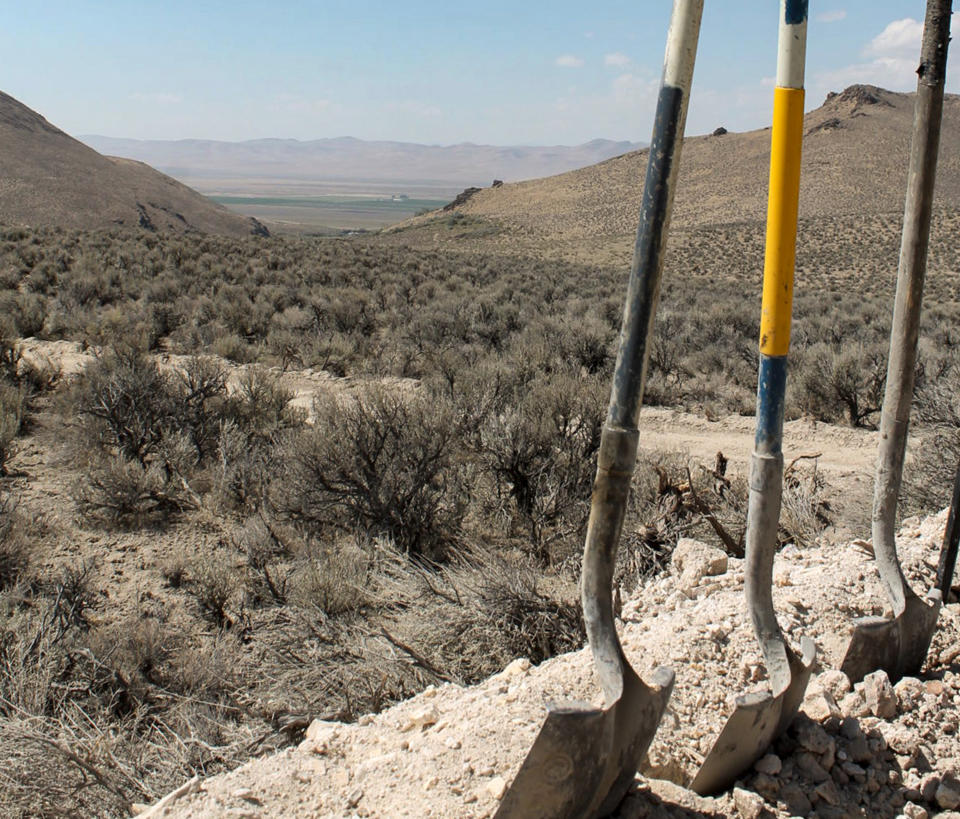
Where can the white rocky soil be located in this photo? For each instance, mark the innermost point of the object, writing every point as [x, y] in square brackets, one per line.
[871, 750]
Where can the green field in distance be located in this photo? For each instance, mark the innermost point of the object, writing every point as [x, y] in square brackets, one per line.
[336, 212]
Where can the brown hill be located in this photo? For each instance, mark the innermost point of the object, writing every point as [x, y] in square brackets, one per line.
[49, 178]
[856, 149]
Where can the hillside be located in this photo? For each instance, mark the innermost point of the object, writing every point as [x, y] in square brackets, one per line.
[854, 169]
[47, 178]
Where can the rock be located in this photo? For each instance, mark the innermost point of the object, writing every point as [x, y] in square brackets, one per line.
[928, 786]
[766, 786]
[858, 749]
[828, 792]
[909, 692]
[947, 794]
[810, 767]
[812, 737]
[320, 735]
[820, 706]
[769, 764]
[749, 805]
[880, 697]
[854, 705]
[913, 811]
[697, 560]
[496, 787]
[353, 799]
[421, 718]
[796, 800]
[850, 728]
[899, 738]
[854, 770]
[835, 682]
[517, 668]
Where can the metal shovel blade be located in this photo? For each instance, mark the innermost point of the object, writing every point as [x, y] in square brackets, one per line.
[756, 721]
[899, 645]
[585, 759]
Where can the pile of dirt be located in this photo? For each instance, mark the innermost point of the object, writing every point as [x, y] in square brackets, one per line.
[869, 750]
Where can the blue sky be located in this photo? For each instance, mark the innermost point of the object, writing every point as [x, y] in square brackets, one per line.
[493, 71]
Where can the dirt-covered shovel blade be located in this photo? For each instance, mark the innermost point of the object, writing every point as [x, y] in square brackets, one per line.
[585, 759]
[759, 718]
[899, 645]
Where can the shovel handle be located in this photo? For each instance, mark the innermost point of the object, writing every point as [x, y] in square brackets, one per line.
[619, 438]
[766, 472]
[905, 330]
[951, 541]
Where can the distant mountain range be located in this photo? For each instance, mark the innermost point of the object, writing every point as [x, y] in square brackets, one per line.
[346, 159]
[49, 178]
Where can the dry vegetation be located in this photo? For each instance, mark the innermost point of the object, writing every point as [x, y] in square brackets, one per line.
[284, 565]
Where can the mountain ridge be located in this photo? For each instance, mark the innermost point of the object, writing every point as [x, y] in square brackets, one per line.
[49, 178]
[350, 158]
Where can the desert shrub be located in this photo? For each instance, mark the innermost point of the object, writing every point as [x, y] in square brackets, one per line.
[542, 454]
[469, 619]
[265, 550]
[203, 385]
[842, 384]
[336, 578]
[529, 623]
[13, 406]
[233, 348]
[16, 546]
[260, 402]
[213, 582]
[382, 464]
[804, 510]
[126, 404]
[243, 468]
[124, 493]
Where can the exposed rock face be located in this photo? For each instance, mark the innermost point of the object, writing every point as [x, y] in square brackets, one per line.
[461, 198]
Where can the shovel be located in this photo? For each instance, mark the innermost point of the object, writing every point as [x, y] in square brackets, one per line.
[759, 718]
[899, 645]
[585, 759]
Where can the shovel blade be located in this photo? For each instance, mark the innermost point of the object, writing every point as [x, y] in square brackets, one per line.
[898, 646]
[757, 720]
[585, 759]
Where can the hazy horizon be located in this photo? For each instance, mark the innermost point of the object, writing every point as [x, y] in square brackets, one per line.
[425, 72]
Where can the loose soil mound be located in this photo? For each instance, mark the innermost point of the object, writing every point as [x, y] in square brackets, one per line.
[452, 751]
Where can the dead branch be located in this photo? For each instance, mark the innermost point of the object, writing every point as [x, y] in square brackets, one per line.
[793, 463]
[732, 546]
[416, 656]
